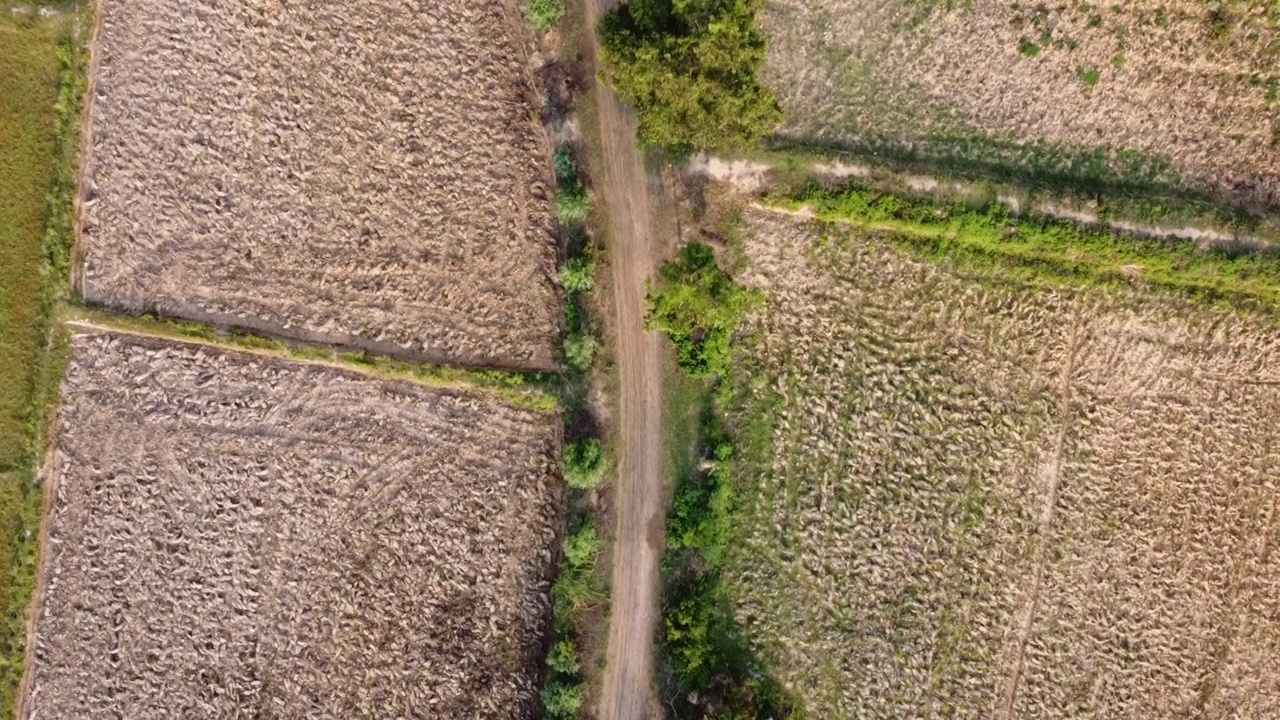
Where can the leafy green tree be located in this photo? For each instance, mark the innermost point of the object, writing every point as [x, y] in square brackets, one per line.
[691, 69]
[580, 548]
[563, 658]
[579, 349]
[566, 167]
[572, 205]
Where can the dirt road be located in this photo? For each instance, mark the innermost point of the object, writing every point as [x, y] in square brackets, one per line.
[629, 194]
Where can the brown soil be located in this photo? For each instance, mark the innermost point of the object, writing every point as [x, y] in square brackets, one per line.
[237, 536]
[632, 198]
[369, 175]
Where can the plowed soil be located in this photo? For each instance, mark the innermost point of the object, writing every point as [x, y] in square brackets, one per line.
[237, 536]
[367, 174]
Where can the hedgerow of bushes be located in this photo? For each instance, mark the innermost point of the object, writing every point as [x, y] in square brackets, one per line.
[713, 667]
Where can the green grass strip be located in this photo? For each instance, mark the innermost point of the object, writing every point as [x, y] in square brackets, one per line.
[538, 392]
[42, 84]
[1047, 250]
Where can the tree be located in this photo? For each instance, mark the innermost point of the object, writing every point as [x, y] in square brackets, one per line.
[691, 69]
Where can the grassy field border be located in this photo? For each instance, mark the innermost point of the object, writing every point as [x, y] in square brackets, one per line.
[56, 244]
[1045, 250]
[794, 163]
[531, 391]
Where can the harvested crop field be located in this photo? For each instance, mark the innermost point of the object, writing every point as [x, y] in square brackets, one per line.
[1180, 96]
[969, 497]
[236, 536]
[369, 174]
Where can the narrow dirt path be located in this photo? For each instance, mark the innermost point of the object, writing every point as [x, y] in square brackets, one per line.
[628, 193]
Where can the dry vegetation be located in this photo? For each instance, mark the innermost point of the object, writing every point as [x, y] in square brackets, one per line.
[237, 536]
[983, 500]
[1188, 90]
[367, 174]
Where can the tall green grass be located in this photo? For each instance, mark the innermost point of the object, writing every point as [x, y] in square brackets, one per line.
[42, 83]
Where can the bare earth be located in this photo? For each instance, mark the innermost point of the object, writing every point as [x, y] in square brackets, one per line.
[368, 174]
[628, 681]
[237, 536]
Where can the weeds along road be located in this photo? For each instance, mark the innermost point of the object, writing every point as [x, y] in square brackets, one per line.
[627, 692]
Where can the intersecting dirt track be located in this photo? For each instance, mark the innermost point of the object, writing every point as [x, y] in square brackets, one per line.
[369, 174]
[233, 535]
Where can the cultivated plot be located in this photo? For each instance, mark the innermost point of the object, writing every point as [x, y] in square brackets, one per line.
[1174, 95]
[367, 174]
[965, 497]
[236, 536]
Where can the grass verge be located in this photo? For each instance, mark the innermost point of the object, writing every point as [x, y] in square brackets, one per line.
[1138, 205]
[42, 82]
[532, 391]
[1047, 250]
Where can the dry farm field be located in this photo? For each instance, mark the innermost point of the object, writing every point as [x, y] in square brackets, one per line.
[973, 498]
[368, 174]
[1180, 96]
[232, 535]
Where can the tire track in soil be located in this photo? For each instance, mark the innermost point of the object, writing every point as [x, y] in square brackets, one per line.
[1052, 473]
[628, 692]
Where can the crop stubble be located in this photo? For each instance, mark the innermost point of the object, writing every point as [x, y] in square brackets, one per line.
[232, 536]
[984, 500]
[368, 174]
[1176, 80]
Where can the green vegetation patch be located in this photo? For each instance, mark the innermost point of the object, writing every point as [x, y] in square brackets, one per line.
[714, 671]
[29, 78]
[41, 87]
[1053, 251]
[698, 306]
[691, 69]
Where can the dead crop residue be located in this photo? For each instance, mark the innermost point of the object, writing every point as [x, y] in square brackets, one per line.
[970, 498]
[1132, 92]
[367, 174]
[237, 536]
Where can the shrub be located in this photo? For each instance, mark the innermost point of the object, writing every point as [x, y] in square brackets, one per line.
[572, 204]
[579, 349]
[544, 14]
[561, 701]
[698, 306]
[581, 547]
[563, 658]
[566, 167]
[578, 275]
[584, 464]
[691, 69]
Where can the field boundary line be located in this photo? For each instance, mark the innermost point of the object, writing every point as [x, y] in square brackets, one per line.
[465, 379]
[1052, 470]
